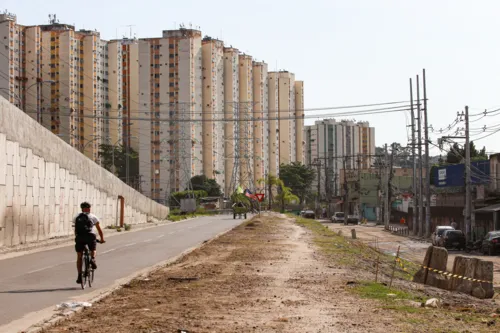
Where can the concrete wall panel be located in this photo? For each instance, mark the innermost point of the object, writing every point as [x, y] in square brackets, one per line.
[43, 180]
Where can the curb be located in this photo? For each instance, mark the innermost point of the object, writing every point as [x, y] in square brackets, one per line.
[55, 318]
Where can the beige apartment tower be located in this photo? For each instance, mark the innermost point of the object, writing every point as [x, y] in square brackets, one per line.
[299, 122]
[260, 122]
[213, 109]
[245, 123]
[273, 131]
[170, 86]
[231, 99]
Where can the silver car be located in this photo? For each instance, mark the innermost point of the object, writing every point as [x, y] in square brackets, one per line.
[338, 217]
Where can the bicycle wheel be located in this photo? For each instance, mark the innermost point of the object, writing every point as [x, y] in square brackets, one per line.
[90, 275]
[85, 269]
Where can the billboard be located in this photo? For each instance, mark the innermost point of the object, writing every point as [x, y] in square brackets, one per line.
[454, 175]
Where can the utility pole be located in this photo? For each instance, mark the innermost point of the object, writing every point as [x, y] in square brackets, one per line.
[359, 185]
[427, 168]
[346, 192]
[327, 186]
[468, 195]
[420, 173]
[386, 190]
[318, 174]
[414, 162]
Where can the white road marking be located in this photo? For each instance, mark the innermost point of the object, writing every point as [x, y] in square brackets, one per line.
[110, 250]
[147, 240]
[160, 236]
[48, 267]
[171, 233]
[131, 244]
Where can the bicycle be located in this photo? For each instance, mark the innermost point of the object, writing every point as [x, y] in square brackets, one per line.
[87, 270]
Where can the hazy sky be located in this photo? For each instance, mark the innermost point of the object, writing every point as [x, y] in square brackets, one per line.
[348, 52]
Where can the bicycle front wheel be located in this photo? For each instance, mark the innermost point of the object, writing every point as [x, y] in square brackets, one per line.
[90, 275]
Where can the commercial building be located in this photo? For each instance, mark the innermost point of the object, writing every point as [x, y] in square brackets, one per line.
[332, 145]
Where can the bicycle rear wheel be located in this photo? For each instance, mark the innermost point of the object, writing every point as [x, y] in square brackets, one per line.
[85, 269]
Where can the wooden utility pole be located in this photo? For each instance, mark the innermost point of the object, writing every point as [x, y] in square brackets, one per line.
[427, 167]
[414, 162]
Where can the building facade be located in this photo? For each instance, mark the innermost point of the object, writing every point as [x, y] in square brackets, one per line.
[331, 145]
[231, 102]
[260, 123]
[187, 106]
[170, 94]
[213, 109]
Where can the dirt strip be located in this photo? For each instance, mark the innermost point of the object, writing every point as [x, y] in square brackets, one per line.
[266, 275]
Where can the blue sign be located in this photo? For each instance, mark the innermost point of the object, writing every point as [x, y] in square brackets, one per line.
[454, 175]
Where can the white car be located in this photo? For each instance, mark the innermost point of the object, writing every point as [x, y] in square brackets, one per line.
[438, 233]
[338, 217]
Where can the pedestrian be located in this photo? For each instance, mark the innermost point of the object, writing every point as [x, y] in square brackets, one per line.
[454, 224]
[324, 212]
[402, 221]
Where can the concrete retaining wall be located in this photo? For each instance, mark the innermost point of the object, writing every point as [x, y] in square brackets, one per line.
[43, 180]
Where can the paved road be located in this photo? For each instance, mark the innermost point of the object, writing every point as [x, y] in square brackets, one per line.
[36, 281]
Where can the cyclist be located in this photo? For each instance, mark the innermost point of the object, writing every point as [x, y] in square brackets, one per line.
[85, 235]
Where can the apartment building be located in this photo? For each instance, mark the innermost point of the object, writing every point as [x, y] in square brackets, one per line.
[245, 122]
[213, 109]
[231, 102]
[273, 129]
[123, 92]
[170, 94]
[333, 145]
[60, 77]
[260, 122]
[299, 122]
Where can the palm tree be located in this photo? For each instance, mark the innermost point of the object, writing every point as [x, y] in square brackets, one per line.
[285, 195]
[271, 181]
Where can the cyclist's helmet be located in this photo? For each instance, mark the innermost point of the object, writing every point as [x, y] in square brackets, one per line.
[85, 205]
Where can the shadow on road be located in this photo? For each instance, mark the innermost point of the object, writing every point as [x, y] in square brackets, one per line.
[29, 291]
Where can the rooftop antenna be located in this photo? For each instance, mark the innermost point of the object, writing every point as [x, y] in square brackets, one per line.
[130, 27]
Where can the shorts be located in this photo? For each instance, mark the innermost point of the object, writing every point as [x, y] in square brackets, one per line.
[90, 240]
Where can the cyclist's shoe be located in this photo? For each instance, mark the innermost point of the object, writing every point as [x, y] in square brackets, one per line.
[93, 264]
[79, 279]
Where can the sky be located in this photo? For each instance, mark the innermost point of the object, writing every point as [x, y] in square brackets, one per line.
[347, 52]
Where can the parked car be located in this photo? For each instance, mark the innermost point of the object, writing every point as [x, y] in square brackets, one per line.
[438, 233]
[453, 239]
[354, 219]
[309, 214]
[491, 243]
[338, 217]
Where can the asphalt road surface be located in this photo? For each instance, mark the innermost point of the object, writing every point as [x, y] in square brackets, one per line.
[36, 281]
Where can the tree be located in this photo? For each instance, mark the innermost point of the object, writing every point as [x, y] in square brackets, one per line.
[114, 159]
[270, 181]
[285, 195]
[457, 154]
[299, 178]
[203, 183]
